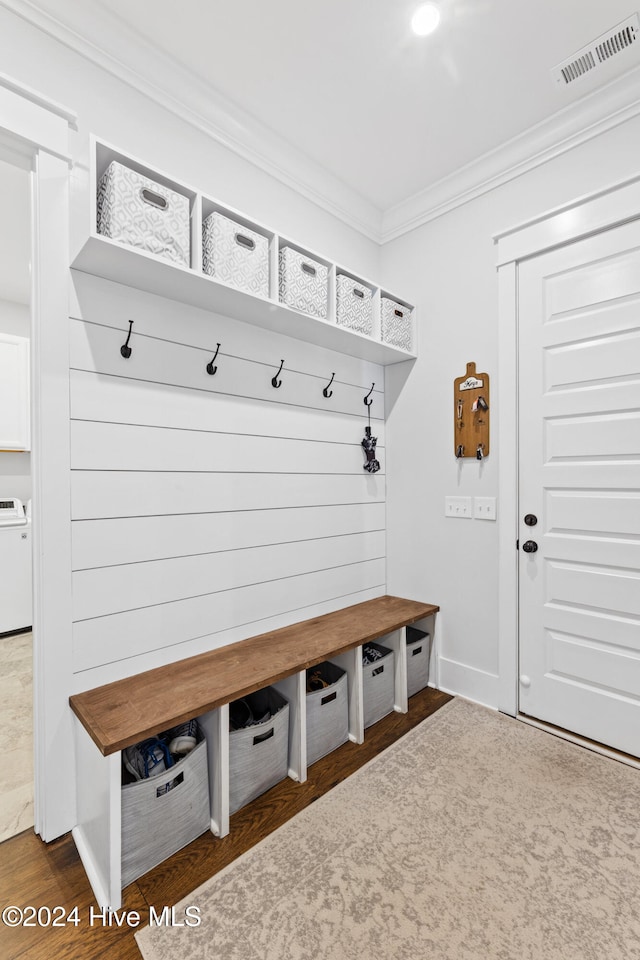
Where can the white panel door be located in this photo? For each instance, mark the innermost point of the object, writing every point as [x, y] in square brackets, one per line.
[579, 439]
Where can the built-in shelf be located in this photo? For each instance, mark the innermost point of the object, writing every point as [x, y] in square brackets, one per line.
[135, 267]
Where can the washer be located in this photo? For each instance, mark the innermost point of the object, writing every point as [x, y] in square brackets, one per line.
[15, 566]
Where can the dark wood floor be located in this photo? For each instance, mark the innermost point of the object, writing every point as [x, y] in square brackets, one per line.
[47, 875]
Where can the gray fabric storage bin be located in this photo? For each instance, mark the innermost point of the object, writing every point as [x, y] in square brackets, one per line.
[327, 712]
[142, 213]
[259, 754]
[418, 653]
[164, 813]
[378, 686]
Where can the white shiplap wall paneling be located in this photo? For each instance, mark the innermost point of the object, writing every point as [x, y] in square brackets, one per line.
[103, 591]
[97, 348]
[105, 640]
[113, 399]
[113, 305]
[130, 540]
[96, 494]
[208, 508]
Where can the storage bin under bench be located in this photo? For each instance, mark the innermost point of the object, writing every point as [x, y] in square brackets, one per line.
[109, 718]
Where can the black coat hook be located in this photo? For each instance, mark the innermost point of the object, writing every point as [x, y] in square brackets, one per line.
[368, 402]
[125, 349]
[274, 380]
[326, 392]
[210, 366]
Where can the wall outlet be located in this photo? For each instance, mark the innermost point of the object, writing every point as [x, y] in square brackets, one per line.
[458, 507]
[484, 508]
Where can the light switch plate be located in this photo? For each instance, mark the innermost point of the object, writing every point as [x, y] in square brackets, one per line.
[458, 507]
[484, 508]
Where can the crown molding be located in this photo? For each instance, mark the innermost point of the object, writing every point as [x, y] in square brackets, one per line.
[600, 111]
[108, 43]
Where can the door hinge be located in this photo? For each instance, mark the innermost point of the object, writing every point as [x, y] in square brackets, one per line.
[517, 544]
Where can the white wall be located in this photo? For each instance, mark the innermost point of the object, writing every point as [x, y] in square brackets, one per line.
[166, 598]
[206, 509]
[448, 268]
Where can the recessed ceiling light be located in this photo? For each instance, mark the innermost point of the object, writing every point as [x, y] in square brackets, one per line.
[425, 19]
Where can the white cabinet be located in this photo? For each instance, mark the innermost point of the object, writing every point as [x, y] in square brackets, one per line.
[14, 393]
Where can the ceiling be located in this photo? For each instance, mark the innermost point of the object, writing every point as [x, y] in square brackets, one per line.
[347, 85]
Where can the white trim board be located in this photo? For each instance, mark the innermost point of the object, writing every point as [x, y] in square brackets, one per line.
[147, 69]
[461, 680]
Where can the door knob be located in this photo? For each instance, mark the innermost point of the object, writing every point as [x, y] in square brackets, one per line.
[529, 546]
[531, 520]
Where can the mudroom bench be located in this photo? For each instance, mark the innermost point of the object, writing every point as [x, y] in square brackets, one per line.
[119, 714]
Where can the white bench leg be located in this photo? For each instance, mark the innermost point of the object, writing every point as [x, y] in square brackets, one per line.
[97, 834]
[351, 662]
[216, 729]
[294, 690]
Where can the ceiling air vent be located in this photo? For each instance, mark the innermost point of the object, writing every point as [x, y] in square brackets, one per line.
[600, 51]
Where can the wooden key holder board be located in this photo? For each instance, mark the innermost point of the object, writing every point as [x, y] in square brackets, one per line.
[471, 405]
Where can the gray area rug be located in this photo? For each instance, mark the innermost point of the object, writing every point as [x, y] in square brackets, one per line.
[474, 837]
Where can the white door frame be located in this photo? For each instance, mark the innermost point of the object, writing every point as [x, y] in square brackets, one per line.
[582, 217]
[34, 134]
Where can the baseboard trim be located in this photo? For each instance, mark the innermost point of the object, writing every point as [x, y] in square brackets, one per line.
[459, 679]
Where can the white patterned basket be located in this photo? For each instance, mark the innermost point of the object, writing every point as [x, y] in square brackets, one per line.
[303, 283]
[235, 255]
[353, 305]
[164, 813]
[396, 324]
[142, 213]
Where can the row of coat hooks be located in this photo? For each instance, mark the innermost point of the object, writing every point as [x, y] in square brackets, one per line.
[212, 369]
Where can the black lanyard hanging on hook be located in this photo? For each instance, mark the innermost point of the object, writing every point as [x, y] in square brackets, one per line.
[369, 443]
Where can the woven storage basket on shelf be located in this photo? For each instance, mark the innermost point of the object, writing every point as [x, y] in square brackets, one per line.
[259, 754]
[418, 652]
[396, 324]
[303, 283]
[164, 813]
[142, 213]
[327, 711]
[235, 255]
[354, 308]
[378, 685]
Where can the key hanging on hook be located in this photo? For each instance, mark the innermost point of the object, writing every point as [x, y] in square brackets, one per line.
[211, 370]
[274, 380]
[480, 452]
[125, 349]
[459, 452]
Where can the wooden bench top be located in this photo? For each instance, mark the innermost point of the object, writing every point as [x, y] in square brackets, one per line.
[122, 713]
